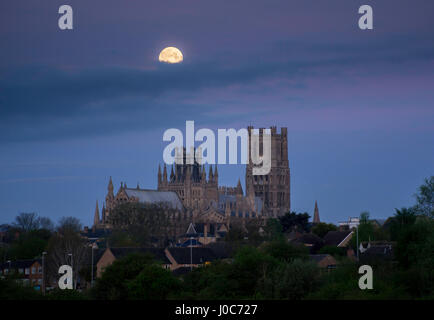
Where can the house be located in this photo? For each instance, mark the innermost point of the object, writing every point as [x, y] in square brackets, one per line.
[380, 251]
[95, 235]
[189, 257]
[352, 222]
[177, 259]
[323, 261]
[4, 228]
[29, 272]
[338, 239]
[310, 240]
[110, 255]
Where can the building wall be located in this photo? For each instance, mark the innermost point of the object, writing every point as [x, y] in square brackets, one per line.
[273, 188]
[106, 260]
[199, 190]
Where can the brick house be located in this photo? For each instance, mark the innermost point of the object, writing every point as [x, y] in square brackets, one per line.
[172, 258]
[110, 255]
[27, 271]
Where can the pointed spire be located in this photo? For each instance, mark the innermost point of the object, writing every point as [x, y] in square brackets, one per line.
[249, 188]
[210, 176]
[103, 213]
[203, 173]
[159, 177]
[316, 214]
[165, 174]
[110, 186]
[172, 174]
[96, 216]
[138, 187]
[239, 187]
[216, 173]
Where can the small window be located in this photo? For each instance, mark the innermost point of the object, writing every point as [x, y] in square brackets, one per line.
[27, 271]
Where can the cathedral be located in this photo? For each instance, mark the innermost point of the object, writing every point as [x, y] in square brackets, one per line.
[199, 197]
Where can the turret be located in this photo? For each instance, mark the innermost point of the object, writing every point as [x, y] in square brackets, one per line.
[172, 174]
[96, 216]
[159, 177]
[165, 175]
[103, 214]
[239, 190]
[210, 175]
[216, 175]
[203, 177]
[110, 187]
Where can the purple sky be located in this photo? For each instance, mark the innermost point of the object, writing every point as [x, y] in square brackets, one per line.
[79, 106]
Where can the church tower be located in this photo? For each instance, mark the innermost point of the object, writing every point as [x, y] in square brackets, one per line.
[273, 188]
[316, 214]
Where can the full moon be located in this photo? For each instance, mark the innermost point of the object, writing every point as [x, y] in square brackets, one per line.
[170, 55]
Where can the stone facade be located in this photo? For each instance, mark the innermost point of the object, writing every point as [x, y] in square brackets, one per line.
[199, 198]
[273, 188]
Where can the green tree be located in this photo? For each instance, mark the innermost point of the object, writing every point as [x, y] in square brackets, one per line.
[273, 230]
[153, 283]
[295, 280]
[284, 251]
[425, 198]
[28, 245]
[295, 221]
[113, 284]
[415, 255]
[58, 294]
[401, 221]
[250, 267]
[10, 289]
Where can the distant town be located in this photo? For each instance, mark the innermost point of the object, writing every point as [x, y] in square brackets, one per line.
[194, 239]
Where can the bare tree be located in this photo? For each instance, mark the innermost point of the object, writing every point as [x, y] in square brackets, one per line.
[46, 223]
[27, 221]
[69, 224]
[147, 224]
[68, 248]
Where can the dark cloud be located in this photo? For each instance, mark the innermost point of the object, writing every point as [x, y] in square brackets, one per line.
[38, 103]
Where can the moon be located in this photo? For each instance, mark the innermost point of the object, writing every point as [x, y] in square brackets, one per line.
[170, 55]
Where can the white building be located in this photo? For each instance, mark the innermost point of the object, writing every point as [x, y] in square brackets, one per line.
[352, 222]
